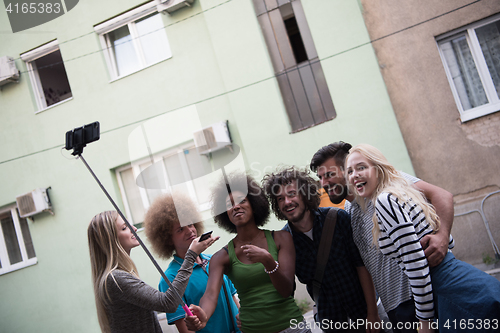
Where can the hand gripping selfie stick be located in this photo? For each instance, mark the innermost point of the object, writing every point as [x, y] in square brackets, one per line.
[77, 139]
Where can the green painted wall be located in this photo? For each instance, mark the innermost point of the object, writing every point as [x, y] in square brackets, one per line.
[220, 64]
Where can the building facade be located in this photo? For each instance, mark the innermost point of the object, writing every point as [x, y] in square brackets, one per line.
[154, 80]
[441, 65]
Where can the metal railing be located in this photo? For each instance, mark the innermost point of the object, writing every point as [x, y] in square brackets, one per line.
[486, 223]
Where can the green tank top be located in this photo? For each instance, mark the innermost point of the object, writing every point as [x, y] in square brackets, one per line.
[263, 309]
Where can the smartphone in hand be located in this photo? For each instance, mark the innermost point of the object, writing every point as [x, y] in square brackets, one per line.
[205, 236]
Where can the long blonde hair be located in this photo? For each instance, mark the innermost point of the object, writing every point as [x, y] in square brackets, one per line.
[106, 255]
[390, 180]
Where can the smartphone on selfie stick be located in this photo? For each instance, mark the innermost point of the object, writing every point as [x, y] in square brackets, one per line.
[77, 139]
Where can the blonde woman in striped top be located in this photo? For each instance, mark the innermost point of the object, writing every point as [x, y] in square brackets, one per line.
[450, 292]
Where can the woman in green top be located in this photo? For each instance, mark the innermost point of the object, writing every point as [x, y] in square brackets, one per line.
[260, 263]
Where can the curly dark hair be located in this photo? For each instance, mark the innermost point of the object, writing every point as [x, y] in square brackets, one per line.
[161, 216]
[306, 186]
[337, 150]
[255, 196]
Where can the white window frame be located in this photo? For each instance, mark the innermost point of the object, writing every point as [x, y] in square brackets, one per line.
[493, 104]
[119, 21]
[29, 58]
[158, 158]
[4, 255]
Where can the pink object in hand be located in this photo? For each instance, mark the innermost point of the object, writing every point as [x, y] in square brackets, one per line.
[186, 309]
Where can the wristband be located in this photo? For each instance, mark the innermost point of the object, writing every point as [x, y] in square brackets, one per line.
[274, 270]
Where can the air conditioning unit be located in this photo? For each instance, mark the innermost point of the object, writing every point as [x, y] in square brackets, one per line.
[8, 70]
[170, 6]
[33, 202]
[212, 138]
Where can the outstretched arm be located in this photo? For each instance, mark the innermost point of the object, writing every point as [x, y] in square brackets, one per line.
[208, 302]
[125, 286]
[128, 287]
[436, 245]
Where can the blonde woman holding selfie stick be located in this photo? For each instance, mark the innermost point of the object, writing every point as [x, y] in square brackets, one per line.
[124, 302]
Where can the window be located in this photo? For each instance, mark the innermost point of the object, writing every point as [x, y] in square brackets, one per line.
[143, 181]
[134, 40]
[471, 58]
[295, 60]
[16, 247]
[48, 75]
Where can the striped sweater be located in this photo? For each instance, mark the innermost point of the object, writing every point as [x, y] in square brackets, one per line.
[402, 225]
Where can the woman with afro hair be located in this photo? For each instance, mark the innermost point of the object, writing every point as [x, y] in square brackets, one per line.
[260, 263]
[171, 223]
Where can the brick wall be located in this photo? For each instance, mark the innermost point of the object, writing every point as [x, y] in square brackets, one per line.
[484, 130]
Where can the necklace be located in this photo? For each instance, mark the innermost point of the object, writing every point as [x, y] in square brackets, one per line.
[257, 235]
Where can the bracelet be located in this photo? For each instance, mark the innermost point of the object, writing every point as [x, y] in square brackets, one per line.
[274, 270]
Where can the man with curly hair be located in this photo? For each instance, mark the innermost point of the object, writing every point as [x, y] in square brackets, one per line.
[170, 226]
[347, 290]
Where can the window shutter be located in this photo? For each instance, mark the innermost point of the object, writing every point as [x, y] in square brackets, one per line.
[303, 85]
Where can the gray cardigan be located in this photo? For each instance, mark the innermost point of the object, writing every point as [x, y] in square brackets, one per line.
[133, 303]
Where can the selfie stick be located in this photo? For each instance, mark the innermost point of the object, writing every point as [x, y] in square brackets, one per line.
[176, 294]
